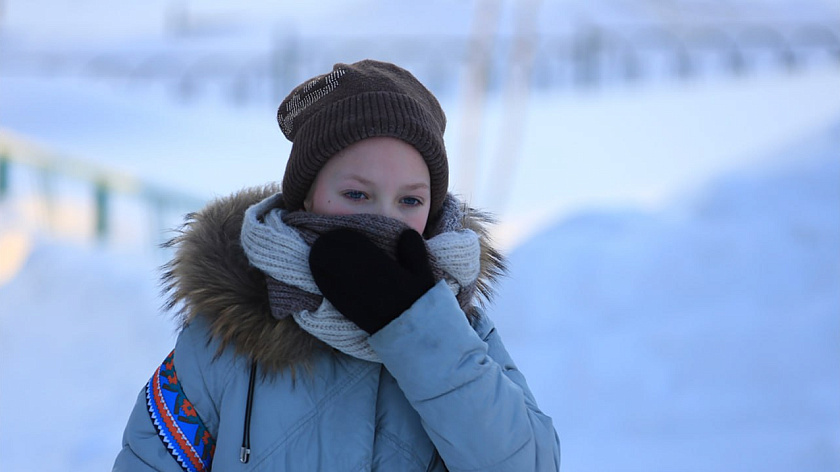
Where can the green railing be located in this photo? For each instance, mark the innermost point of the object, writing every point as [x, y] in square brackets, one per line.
[104, 184]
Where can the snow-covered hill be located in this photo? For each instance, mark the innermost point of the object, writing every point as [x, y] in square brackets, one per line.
[705, 336]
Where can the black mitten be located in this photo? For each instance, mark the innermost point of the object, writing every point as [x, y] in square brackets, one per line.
[365, 284]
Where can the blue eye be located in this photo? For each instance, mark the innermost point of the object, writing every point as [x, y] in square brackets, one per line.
[354, 195]
[411, 201]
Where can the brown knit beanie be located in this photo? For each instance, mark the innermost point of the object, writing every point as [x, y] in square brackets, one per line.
[366, 99]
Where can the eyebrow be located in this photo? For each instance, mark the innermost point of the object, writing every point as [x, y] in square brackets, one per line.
[417, 186]
[359, 178]
[364, 181]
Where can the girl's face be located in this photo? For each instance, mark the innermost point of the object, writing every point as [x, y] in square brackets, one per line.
[383, 176]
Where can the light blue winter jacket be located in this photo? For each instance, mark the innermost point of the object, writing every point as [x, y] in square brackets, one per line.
[447, 392]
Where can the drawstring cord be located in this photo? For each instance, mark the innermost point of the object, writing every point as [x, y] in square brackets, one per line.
[245, 451]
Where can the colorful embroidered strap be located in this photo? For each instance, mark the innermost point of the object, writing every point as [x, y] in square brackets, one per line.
[176, 420]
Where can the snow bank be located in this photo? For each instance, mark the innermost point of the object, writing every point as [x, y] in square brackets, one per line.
[80, 333]
[702, 337]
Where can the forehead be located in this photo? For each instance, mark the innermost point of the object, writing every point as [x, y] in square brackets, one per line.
[380, 156]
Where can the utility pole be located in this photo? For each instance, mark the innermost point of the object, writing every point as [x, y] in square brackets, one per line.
[515, 98]
[475, 84]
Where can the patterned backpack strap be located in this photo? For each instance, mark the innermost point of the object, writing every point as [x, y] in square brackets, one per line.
[176, 421]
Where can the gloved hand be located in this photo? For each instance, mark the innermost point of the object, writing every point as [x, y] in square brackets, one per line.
[366, 285]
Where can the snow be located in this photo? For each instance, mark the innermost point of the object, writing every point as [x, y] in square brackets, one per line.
[674, 292]
[702, 336]
[80, 327]
[640, 146]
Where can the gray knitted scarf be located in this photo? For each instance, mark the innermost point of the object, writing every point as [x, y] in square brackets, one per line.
[277, 242]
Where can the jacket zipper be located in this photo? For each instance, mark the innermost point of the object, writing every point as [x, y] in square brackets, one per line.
[245, 450]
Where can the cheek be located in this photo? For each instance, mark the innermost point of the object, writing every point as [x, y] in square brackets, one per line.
[417, 222]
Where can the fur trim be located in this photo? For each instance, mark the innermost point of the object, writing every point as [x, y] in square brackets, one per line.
[210, 276]
[492, 262]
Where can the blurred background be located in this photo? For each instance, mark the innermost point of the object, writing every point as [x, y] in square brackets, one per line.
[666, 176]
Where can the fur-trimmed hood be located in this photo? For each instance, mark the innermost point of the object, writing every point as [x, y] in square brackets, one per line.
[210, 276]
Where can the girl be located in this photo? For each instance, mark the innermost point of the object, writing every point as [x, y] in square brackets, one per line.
[336, 325]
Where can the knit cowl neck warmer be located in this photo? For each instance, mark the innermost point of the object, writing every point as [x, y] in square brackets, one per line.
[278, 242]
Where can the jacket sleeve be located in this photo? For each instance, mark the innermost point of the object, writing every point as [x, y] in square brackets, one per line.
[473, 401]
[142, 448]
